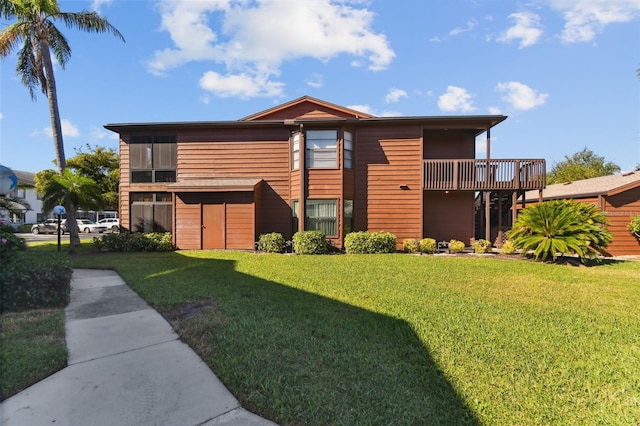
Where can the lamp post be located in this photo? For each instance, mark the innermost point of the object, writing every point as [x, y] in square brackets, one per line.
[59, 210]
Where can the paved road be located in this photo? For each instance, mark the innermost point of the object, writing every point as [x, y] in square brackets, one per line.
[54, 237]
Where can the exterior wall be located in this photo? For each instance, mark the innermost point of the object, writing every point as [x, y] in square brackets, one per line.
[453, 144]
[449, 215]
[620, 209]
[388, 158]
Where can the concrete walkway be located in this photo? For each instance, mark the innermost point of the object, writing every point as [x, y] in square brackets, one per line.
[126, 367]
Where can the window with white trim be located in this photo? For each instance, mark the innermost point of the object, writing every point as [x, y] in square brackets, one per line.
[321, 149]
[295, 151]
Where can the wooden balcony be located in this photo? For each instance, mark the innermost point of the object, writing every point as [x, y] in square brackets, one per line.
[471, 175]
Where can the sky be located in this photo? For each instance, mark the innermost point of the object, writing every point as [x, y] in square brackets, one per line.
[565, 72]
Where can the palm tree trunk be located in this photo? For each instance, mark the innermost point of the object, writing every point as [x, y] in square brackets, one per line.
[54, 112]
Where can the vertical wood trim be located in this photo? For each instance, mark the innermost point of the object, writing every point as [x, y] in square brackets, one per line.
[302, 203]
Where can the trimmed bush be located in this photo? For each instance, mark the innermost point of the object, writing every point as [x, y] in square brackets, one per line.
[271, 243]
[309, 242]
[481, 246]
[7, 229]
[508, 247]
[428, 245]
[126, 242]
[10, 243]
[382, 242]
[456, 246]
[33, 282]
[411, 245]
[356, 242]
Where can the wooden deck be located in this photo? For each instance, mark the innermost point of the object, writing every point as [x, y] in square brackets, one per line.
[471, 175]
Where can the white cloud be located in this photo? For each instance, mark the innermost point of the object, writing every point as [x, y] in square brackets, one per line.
[494, 110]
[245, 43]
[585, 18]
[241, 85]
[68, 130]
[362, 108]
[527, 29]
[459, 30]
[520, 96]
[395, 95]
[100, 134]
[315, 80]
[481, 145]
[1, 116]
[456, 99]
[97, 4]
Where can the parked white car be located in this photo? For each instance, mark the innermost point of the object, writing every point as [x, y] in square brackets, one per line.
[110, 223]
[86, 226]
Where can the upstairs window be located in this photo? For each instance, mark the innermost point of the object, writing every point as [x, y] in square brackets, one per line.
[322, 149]
[348, 150]
[153, 158]
[295, 151]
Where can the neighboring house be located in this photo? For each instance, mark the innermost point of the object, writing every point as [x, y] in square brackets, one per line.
[220, 184]
[617, 195]
[26, 191]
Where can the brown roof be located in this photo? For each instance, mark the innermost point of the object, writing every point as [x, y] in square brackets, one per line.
[215, 185]
[604, 185]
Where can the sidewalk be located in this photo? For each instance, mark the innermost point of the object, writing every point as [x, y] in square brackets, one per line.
[126, 366]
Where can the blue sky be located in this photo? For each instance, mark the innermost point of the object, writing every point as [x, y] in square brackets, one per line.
[564, 71]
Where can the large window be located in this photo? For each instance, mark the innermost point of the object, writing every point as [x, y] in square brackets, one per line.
[151, 212]
[153, 158]
[321, 215]
[348, 150]
[321, 149]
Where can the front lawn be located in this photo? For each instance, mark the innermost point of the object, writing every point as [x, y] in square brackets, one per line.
[403, 339]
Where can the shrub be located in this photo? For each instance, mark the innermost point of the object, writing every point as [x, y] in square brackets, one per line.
[428, 245]
[33, 282]
[25, 227]
[634, 226]
[411, 245]
[309, 242]
[561, 227]
[363, 242]
[126, 242]
[356, 242]
[456, 246]
[508, 247]
[10, 243]
[271, 243]
[481, 246]
[7, 229]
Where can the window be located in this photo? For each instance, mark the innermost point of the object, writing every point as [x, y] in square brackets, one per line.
[295, 151]
[151, 212]
[153, 158]
[321, 149]
[321, 215]
[348, 150]
[348, 216]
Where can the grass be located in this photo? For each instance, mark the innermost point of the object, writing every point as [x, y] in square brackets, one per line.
[32, 347]
[401, 339]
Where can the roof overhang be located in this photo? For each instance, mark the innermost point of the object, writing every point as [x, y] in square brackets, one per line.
[215, 185]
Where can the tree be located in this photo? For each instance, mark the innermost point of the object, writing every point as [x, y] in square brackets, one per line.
[103, 166]
[71, 190]
[581, 165]
[34, 27]
[561, 227]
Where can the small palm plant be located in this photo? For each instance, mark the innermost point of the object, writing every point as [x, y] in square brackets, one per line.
[634, 226]
[561, 227]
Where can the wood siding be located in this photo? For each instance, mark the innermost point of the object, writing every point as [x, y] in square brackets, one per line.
[268, 160]
[443, 144]
[449, 215]
[389, 181]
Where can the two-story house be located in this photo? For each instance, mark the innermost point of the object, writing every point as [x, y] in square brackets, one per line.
[310, 164]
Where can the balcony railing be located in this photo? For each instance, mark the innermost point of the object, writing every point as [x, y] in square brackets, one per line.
[483, 175]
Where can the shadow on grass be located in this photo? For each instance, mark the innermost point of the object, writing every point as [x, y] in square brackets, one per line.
[296, 357]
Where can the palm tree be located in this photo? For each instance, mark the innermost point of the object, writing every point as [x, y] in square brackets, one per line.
[72, 191]
[35, 30]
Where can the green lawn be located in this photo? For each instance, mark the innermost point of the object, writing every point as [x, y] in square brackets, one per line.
[32, 347]
[403, 339]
